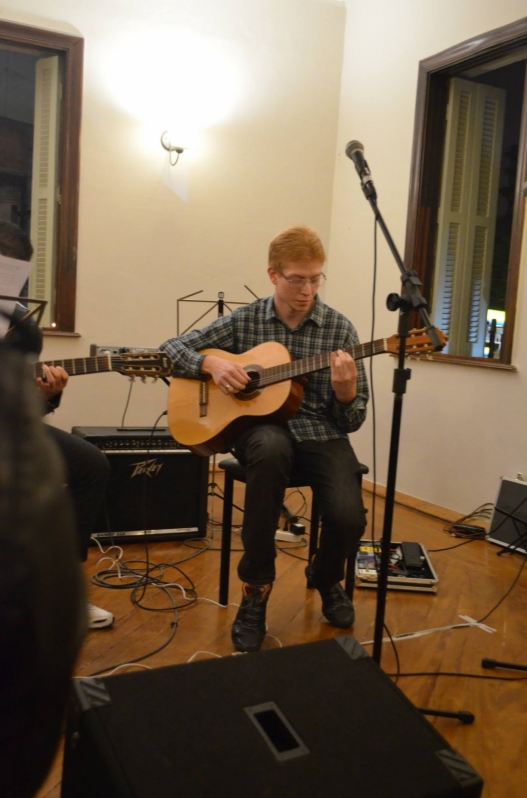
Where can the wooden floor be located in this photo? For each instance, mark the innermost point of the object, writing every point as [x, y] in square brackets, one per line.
[472, 579]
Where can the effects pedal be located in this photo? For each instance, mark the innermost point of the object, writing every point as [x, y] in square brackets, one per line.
[411, 556]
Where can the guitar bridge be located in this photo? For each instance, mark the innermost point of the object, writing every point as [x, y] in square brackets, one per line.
[203, 397]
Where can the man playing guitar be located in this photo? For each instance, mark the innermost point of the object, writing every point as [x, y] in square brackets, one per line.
[314, 444]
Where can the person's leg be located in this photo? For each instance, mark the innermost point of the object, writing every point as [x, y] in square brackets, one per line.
[87, 472]
[267, 453]
[331, 470]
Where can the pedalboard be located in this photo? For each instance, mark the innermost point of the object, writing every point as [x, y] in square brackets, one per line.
[409, 566]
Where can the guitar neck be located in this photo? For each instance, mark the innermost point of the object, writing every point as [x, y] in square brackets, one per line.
[81, 365]
[297, 368]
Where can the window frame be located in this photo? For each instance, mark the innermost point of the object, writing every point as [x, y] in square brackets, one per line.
[425, 178]
[71, 50]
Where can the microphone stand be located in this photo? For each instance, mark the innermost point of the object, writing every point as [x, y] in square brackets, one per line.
[409, 299]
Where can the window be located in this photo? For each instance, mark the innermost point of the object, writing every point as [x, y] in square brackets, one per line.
[466, 202]
[40, 106]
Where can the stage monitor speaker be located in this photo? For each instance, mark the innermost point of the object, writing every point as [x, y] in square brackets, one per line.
[508, 526]
[155, 485]
[308, 720]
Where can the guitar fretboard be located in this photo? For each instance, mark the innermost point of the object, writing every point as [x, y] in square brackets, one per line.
[83, 365]
[297, 368]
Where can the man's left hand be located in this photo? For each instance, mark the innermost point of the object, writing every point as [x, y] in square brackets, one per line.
[343, 376]
[53, 381]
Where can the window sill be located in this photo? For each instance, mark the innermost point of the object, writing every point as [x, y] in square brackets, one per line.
[458, 360]
[60, 334]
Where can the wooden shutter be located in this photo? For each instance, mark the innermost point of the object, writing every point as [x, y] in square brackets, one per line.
[467, 214]
[44, 182]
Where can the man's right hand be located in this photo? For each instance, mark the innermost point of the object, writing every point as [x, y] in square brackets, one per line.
[228, 376]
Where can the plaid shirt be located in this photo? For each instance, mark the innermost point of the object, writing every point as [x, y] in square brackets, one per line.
[320, 417]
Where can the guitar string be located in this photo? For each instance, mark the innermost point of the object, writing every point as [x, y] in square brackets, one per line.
[275, 374]
[101, 363]
[285, 371]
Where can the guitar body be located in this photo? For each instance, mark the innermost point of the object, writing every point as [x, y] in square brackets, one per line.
[208, 421]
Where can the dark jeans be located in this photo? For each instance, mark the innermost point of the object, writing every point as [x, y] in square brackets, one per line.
[272, 456]
[88, 472]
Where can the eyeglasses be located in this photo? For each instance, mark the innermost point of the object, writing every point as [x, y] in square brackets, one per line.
[299, 282]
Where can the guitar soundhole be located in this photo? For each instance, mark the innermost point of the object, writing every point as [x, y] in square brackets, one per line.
[252, 388]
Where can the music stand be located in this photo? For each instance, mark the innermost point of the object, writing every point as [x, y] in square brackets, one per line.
[221, 303]
[36, 312]
[41, 304]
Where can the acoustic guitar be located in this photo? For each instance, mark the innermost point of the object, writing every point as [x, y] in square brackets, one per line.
[207, 421]
[131, 364]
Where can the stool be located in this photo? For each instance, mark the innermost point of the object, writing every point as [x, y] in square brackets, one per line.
[234, 470]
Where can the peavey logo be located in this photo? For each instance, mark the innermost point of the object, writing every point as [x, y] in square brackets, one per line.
[149, 467]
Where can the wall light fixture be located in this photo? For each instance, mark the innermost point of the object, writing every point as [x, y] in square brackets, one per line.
[166, 141]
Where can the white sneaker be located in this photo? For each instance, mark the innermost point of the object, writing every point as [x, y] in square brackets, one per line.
[98, 618]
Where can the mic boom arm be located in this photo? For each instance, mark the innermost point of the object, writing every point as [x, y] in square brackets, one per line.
[409, 278]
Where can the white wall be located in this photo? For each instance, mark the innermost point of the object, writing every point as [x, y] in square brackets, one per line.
[149, 235]
[463, 427]
[262, 77]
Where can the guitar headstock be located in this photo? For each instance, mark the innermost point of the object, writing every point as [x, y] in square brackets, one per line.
[143, 364]
[417, 342]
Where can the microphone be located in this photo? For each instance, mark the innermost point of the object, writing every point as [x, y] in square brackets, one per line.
[355, 152]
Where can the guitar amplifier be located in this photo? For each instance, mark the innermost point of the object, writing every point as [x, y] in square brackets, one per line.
[508, 525]
[156, 485]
